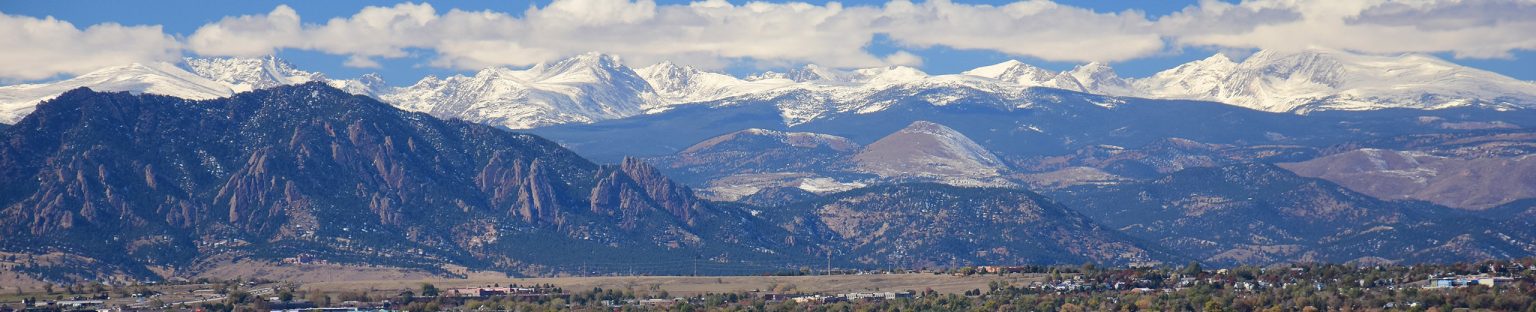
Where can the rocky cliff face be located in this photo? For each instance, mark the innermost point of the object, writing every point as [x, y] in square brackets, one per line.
[337, 174]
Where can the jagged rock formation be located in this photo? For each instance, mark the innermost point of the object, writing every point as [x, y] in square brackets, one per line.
[311, 168]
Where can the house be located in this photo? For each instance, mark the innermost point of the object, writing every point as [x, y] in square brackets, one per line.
[816, 299]
[776, 297]
[876, 296]
[1494, 281]
[658, 302]
[994, 269]
[1473, 280]
[73, 303]
[480, 292]
[303, 259]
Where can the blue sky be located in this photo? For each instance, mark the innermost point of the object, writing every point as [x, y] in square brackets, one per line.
[180, 20]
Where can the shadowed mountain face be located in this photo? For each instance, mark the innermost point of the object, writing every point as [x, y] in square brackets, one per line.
[936, 225]
[143, 182]
[1258, 213]
[754, 151]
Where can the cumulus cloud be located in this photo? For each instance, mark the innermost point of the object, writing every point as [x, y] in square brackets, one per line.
[1039, 29]
[1470, 28]
[904, 58]
[40, 48]
[372, 32]
[709, 34]
[249, 35]
[715, 33]
[706, 34]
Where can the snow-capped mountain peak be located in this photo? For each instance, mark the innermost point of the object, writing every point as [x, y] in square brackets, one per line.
[678, 84]
[368, 84]
[1196, 79]
[806, 73]
[582, 68]
[580, 89]
[1322, 79]
[246, 74]
[1097, 77]
[155, 78]
[674, 81]
[890, 75]
[1016, 72]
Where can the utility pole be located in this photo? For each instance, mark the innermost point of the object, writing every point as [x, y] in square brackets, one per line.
[829, 261]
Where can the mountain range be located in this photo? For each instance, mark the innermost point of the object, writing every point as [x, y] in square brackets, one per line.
[173, 170]
[593, 87]
[148, 187]
[309, 169]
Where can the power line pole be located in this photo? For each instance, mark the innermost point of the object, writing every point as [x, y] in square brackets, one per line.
[829, 261]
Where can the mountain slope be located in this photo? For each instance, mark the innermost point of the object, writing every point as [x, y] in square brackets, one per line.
[762, 151]
[741, 164]
[926, 225]
[677, 84]
[1049, 122]
[1317, 79]
[1468, 183]
[308, 169]
[1259, 214]
[158, 78]
[930, 151]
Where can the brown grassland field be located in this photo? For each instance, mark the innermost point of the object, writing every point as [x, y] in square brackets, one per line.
[694, 285]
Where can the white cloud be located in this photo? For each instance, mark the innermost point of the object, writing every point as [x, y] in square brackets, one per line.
[904, 58]
[714, 33]
[1472, 28]
[40, 48]
[249, 35]
[708, 34]
[1039, 29]
[372, 32]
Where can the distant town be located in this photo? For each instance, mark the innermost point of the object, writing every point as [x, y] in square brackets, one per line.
[1489, 285]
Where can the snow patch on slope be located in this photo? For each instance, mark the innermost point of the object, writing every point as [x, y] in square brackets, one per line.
[1319, 79]
[246, 74]
[154, 78]
[582, 89]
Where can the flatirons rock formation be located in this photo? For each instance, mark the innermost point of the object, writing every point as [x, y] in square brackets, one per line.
[311, 169]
